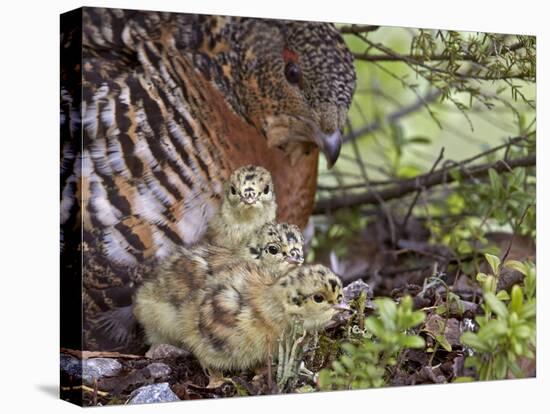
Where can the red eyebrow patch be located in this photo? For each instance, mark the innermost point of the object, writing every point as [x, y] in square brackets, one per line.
[289, 55]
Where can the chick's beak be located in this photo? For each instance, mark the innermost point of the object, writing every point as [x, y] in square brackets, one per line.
[330, 145]
[342, 306]
[294, 260]
[248, 200]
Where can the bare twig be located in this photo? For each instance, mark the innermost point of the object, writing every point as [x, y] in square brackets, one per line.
[434, 166]
[383, 205]
[395, 57]
[355, 28]
[509, 247]
[98, 354]
[394, 116]
[414, 184]
[516, 141]
[413, 61]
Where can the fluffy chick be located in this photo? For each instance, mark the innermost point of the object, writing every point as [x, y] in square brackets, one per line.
[278, 246]
[248, 203]
[233, 321]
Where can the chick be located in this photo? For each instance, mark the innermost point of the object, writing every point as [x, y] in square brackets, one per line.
[277, 246]
[248, 203]
[233, 321]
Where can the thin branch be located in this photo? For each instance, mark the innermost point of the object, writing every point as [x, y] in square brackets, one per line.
[510, 143]
[396, 57]
[509, 247]
[434, 166]
[355, 28]
[414, 184]
[413, 61]
[383, 205]
[394, 116]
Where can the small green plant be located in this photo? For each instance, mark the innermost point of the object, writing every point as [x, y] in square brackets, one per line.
[385, 336]
[507, 329]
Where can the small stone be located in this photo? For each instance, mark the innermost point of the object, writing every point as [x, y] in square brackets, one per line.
[354, 289]
[158, 370]
[70, 365]
[154, 393]
[165, 351]
[436, 326]
[96, 368]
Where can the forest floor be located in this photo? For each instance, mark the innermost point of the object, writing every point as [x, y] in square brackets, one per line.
[376, 262]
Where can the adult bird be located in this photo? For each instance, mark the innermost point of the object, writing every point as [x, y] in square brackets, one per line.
[157, 109]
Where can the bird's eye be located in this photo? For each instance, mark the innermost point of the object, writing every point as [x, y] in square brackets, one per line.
[266, 189]
[293, 73]
[272, 249]
[233, 190]
[318, 298]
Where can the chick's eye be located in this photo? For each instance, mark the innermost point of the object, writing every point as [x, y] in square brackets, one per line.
[293, 73]
[266, 189]
[318, 298]
[233, 190]
[273, 249]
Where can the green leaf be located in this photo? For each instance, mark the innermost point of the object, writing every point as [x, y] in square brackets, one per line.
[441, 309]
[496, 305]
[503, 295]
[522, 331]
[494, 262]
[387, 309]
[481, 277]
[516, 265]
[349, 348]
[375, 326]
[419, 140]
[490, 332]
[415, 319]
[463, 379]
[490, 284]
[501, 366]
[347, 362]
[496, 182]
[304, 389]
[516, 370]
[444, 342]
[338, 368]
[529, 310]
[470, 339]
[325, 380]
[409, 341]
[517, 178]
[516, 304]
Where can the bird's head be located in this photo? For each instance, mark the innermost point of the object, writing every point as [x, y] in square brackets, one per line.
[296, 84]
[250, 187]
[278, 246]
[312, 294]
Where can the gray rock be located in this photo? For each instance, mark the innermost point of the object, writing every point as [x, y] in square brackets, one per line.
[158, 370]
[154, 393]
[96, 368]
[70, 365]
[354, 289]
[161, 351]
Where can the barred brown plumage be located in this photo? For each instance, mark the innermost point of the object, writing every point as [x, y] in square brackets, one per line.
[169, 105]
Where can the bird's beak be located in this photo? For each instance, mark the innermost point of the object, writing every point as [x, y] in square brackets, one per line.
[329, 145]
[342, 306]
[294, 260]
[248, 201]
